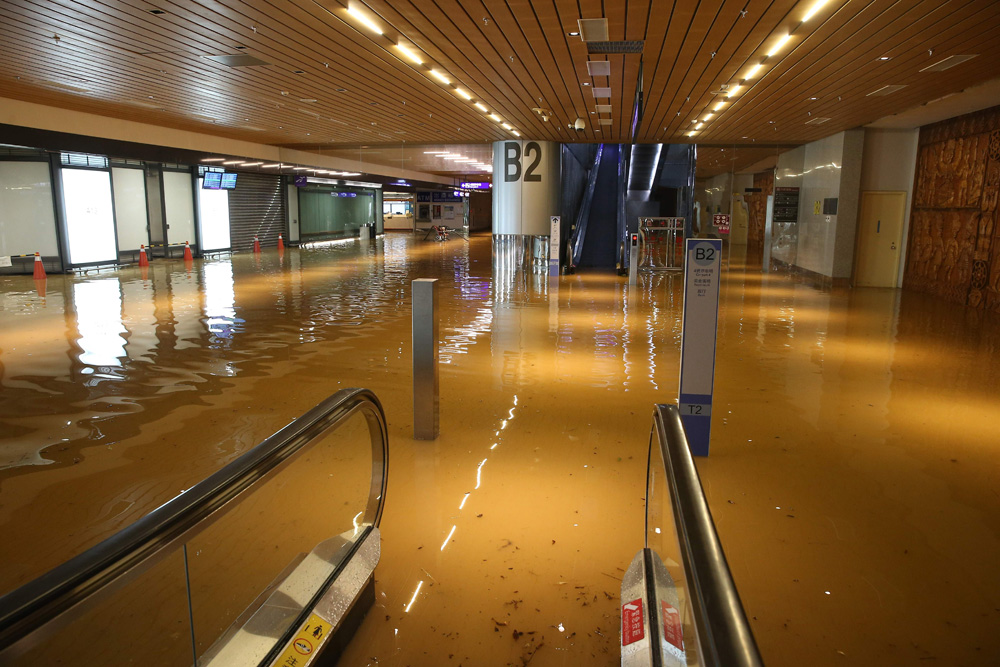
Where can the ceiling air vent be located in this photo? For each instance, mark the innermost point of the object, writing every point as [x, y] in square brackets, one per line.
[593, 30]
[627, 46]
[603, 108]
[241, 60]
[599, 68]
[817, 121]
[604, 121]
[948, 63]
[601, 92]
[886, 90]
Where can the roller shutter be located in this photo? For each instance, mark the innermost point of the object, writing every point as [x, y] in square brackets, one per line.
[256, 207]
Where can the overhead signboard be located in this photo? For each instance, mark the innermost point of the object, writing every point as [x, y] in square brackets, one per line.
[475, 185]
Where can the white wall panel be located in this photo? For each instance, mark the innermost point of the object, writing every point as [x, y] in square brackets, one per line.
[130, 207]
[90, 218]
[178, 199]
[27, 219]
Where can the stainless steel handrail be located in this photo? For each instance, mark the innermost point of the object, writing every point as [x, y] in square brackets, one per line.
[26, 611]
[726, 638]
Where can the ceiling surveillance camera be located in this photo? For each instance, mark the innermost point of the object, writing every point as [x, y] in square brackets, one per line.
[579, 125]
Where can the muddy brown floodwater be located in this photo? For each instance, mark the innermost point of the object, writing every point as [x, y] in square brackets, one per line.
[854, 475]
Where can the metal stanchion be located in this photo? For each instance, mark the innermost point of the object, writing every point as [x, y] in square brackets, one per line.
[425, 359]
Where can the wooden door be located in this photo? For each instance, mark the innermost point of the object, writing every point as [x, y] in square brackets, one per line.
[880, 238]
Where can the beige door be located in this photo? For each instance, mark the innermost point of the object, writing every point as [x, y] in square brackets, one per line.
[740, 222]
[880, 235]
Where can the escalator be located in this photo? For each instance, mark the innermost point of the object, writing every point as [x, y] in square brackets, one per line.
[679, 604]
[268, 561]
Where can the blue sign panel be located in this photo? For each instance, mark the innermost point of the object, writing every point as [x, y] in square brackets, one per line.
[424, 196]
[445, 197]
[301, 181]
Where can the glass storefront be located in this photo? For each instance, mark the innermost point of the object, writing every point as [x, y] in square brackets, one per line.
[337, 211]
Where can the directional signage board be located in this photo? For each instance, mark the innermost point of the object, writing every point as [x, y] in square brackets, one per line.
[699, 326]
[554, 224]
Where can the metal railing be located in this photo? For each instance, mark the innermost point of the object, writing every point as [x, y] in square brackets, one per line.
[691, 612]
[46, 609]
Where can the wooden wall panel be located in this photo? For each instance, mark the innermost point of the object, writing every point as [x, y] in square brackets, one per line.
[954, 241]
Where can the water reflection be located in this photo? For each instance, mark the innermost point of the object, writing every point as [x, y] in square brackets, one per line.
[98, 307]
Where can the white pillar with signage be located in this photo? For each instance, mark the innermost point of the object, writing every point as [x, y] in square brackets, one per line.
[699, 327]
[525, 195]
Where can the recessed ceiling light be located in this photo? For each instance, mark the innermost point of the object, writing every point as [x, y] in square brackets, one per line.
[719, 106]
[753, 71]
[495, 117]
[506, 126]
[698, 126]
[517, 134]
[440, 76]
[364, 20]
[213, 159]
[885, 58]
[585, 83]
[411, 55]
[707, 116]
[463, 93]
[270, 166]
[573, 34]
[814, 98]
[481, 107]
[733, 90]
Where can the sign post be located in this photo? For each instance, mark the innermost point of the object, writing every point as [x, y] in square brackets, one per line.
[699, 328]
[554, 223]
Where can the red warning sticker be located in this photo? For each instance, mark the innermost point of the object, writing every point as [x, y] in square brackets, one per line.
[672, 630]
[632, 630]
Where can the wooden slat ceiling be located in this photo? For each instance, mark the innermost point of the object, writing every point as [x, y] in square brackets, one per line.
[332, 82]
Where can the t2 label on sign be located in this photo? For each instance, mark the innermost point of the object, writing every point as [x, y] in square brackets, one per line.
[512, 161]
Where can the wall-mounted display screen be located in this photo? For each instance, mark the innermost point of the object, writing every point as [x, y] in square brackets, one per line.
[212, 180]
[228, 181]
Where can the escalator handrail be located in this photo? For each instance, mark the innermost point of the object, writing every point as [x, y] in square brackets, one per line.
[726, 637]
[143, 543]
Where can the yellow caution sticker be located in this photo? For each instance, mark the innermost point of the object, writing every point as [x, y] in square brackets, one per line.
[305, 644]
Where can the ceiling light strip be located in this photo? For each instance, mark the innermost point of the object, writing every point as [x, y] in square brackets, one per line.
[415, 57]
[755, 70]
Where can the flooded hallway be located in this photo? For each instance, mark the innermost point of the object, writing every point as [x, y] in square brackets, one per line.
[853, 474]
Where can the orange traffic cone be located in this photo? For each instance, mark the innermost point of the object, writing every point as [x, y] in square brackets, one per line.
[187, 251]
[39, 268]
[143, 260]
[281, 243]
[256, 245]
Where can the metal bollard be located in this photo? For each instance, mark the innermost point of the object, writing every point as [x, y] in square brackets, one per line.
[633, 258]
[425, 359]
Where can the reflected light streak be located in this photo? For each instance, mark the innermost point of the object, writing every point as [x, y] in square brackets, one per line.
[450, 533]
[479, 473]
[355, 521]
[406, 609]
[462, 506]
